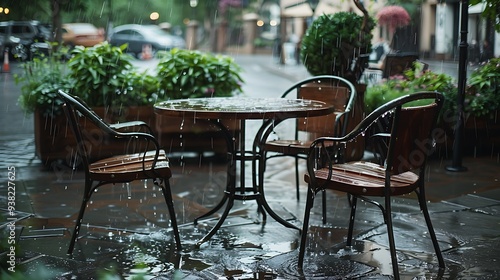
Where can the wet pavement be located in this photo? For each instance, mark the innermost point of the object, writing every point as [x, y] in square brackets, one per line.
[126, 233]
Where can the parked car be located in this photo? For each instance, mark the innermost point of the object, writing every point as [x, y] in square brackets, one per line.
[81, 34]
[141, 36]
[24, 39]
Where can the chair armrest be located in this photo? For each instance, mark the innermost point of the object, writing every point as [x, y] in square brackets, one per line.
[125, 126]
[147, 137]
[380, 146]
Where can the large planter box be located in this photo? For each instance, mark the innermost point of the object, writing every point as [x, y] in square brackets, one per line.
[481, 137]
[178, 135]
[54, 139]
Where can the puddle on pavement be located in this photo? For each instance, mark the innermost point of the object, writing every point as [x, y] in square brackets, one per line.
[147, 250]
[231, 255]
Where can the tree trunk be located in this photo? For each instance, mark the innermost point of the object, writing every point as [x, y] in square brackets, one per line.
[56, 21]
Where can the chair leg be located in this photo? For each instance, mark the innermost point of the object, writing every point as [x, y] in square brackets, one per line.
[260, 186]
[83, 206]
[305, 227]
[297, 182]
[323, 201]
[353, 202]
[435, 243]
[390, 233]
[167, 194]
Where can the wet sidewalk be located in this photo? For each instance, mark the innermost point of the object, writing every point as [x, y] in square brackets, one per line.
[126, 229]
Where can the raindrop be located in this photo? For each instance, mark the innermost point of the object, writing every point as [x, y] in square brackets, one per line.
[129, 191]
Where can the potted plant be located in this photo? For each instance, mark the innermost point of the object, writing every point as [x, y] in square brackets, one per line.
[189, 74]
[339, 44]
[483, 98]
[103, 76]
[481, 105]
[412, 80]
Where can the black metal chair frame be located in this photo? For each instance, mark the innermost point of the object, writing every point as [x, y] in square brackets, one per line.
[74, 108]
[319, 158]
[340, 128]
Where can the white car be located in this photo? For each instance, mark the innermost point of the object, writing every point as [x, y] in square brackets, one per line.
[140, 36]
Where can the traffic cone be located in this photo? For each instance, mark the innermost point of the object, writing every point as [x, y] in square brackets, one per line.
[6, 66]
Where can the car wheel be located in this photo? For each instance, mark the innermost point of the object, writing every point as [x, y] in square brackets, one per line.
[20, 52]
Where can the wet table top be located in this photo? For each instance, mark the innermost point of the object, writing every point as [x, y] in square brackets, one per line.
[242, 108]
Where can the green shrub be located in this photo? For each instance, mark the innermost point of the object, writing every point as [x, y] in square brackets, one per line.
[410, 82]
[483, 95]
[333, 42]
[41, 79]
[103, 75]
[189, 74]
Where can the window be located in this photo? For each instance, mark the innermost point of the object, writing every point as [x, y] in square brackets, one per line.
[22, 30]
[3, 30]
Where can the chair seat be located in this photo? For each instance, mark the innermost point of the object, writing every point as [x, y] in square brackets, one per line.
[130, 167]
[288, 147]
[364, 178]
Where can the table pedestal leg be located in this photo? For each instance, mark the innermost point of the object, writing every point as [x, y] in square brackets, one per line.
[230, 193]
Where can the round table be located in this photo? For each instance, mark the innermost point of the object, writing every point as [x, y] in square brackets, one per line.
[240, 108]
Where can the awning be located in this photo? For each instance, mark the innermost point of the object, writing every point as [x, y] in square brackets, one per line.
[477, 9]
[300, 8]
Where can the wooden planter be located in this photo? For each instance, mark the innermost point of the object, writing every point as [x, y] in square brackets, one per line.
[54, 139]
[481, 137]
[188, 135]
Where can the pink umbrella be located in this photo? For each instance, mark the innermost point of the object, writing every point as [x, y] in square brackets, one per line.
[393, 17]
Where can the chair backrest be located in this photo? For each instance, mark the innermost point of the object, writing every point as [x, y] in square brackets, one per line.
[330, 89]
[85, 139]
[411, 137]
[412, 129]
[395, 64]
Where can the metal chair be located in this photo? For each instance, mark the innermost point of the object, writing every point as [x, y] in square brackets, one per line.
[410, 142]
[397, 63]
[145, 164]
[327, 88]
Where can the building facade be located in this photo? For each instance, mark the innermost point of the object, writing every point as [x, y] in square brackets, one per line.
[434, 31]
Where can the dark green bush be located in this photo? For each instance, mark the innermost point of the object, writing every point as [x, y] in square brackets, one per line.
[330, 44]
[189, 74]
[483, 96]
[410, 82]
[103, 75]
